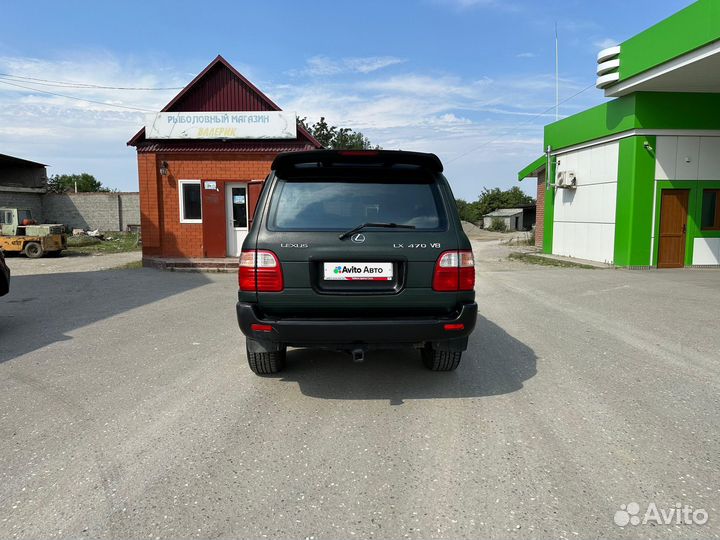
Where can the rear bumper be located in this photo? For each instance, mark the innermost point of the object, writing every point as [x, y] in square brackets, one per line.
[333, 332]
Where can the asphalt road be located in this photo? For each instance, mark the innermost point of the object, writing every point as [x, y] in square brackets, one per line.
[127, 410]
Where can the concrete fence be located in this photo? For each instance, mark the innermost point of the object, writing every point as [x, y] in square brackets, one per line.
[104, 211]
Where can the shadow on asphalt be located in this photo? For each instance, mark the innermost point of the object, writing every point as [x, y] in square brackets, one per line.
[495, 363]
[42, 309]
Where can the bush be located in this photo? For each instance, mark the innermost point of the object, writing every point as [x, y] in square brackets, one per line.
[497, 225]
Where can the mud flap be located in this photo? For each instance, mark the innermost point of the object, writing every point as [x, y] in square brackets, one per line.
[262, 346]
[454, 345]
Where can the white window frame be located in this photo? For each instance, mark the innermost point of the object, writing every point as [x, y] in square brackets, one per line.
[181, 183]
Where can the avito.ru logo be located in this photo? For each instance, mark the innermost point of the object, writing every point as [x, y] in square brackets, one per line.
[340, 269]
[629, 514]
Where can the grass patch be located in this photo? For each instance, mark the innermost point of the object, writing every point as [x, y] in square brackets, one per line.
[116, 242]
[129, 266]
[531, 258]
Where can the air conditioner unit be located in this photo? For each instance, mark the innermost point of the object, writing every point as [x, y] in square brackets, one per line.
[570, 180]
[560, 179]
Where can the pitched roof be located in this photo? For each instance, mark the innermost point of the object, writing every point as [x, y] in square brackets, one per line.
[220, 87]
[12, 160]
[504, 212]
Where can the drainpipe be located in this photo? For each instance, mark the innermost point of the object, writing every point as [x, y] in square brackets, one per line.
[547, 167]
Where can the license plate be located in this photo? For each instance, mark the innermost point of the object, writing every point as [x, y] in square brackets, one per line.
[357, 271]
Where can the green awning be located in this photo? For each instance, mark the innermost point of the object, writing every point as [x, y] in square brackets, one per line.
[533, 169]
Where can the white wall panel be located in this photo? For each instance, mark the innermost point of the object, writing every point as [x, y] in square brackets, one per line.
[688, 156]
[706, 251]
[666, 158]
[593, 203]
[611, 153]
[709, 163]
[585, 217]
[591, 241]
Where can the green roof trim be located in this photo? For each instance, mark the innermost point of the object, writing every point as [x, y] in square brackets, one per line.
[535, 167]
[687, 30]
[639, 110]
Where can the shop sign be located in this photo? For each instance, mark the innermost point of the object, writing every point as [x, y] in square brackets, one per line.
[222, 125]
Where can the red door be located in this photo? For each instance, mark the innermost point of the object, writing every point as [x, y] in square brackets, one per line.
[213, 219]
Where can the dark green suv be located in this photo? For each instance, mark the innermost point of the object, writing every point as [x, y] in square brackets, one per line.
[356, 250]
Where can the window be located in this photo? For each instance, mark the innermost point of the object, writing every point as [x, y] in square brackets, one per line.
[338, 205]
[710, 218]
[190, 201]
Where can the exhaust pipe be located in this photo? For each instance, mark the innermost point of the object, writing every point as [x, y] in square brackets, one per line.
[358, 355]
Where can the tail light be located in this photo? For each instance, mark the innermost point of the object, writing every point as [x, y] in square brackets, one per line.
[454, 271]
[260, 271]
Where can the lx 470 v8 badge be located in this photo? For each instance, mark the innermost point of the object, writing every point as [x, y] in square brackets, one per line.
[433, 245]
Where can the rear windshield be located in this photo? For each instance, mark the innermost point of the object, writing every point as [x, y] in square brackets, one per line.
[339, 205]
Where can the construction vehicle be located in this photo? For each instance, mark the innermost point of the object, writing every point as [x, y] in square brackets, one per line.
[19, 232]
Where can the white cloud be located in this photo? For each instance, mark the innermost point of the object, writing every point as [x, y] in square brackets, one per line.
[469, 4]
[484, 129]
[526, 55]
[324, 65]
[72, 135]
[605, 43]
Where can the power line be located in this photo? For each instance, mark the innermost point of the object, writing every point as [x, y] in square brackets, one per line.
[72, 84]
[521, 125]
[75, 97]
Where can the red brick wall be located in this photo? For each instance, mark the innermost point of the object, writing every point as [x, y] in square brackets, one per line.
[540, 216]
[163, 234]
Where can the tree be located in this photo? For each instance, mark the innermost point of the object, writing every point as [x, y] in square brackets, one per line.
[63, 183]
[490, 200]
[335, 138]
[468, 211]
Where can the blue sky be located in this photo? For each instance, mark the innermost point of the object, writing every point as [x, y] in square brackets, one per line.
[465, 79]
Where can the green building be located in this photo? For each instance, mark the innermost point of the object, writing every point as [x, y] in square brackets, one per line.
[635, 182]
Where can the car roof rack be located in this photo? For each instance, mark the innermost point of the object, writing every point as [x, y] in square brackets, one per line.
[356, 158]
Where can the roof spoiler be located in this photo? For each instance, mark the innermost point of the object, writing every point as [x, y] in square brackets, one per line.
[383, 158]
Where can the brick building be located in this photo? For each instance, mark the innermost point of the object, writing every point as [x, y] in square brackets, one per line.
[202, 162]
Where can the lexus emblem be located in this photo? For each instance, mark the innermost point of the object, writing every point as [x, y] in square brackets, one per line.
[358, 238]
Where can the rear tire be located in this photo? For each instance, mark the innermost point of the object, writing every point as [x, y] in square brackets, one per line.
[441, 360]
[33, 250]
[266, 363]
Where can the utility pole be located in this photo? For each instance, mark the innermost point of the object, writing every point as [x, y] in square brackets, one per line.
[557, 76]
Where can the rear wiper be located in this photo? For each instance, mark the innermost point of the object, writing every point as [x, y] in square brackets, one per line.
[344, 235]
